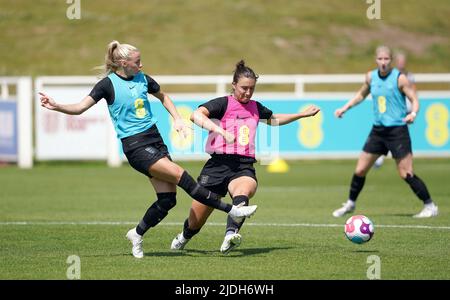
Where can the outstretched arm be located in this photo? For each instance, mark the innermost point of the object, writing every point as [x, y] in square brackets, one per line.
[360, 96]
[178, 123]
[70, 109]
[282, 119]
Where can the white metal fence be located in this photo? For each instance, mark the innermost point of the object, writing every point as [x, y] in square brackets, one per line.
[74, 88]
[299, 82]
[17, 91]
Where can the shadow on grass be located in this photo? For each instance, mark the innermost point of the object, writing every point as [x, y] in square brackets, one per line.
[149, 253]
[239, 251]
[167, 253]
[255, 251]
[197, 252]
[400, 215]
[366, 251]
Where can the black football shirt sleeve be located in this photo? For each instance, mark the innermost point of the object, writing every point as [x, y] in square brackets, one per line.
[103, 90]
[153, 86]
[264, 112]
[216, 107]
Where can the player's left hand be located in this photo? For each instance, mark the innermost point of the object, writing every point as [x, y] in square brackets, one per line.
[311, 110]
[182, 128]
[409, 118]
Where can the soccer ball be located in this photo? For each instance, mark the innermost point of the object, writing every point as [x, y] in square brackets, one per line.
[359, 229]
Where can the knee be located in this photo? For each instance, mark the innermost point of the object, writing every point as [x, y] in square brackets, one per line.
[179, 171]
[167, 200]
[360, 172]
[405, 174]
[408, 177]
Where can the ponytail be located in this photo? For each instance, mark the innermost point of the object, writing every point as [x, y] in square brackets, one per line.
[243, 71]
[114, 53]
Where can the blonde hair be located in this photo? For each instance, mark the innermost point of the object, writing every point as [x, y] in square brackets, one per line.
[383, 49]
[114, 54]
[400, 55]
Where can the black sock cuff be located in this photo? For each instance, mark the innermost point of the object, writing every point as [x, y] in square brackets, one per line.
[428, 201]
[410, 177]
[187, 232]
[140, 228]
[359, 178]
[166, 195]
[239, 199]
[187, 182]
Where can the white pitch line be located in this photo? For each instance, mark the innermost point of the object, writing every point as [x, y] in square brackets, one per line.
[15, 223]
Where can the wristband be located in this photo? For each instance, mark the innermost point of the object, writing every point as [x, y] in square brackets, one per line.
[414, 114]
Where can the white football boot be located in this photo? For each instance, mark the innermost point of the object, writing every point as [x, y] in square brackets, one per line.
[179, 242]
[379, 162]
[230, 242]
[428, 211]
[136, 240]
[346, 208]
[239, 212]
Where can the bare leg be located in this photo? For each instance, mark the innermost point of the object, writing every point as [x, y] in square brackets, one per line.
[405, 166]
[365, 162]
[198, 214]
[244, 185]
[166, 170]
[161, 186]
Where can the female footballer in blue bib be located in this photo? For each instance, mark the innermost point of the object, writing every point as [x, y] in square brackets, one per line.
[389, 132]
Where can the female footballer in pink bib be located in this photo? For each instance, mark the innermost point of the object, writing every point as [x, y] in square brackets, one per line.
[240, 119]
[232, 122]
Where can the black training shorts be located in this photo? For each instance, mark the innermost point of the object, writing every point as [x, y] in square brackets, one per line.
[144, 156]
[218, 173]
[382, 139]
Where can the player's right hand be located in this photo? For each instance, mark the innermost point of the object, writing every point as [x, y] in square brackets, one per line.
[229, 137]
[47, 101]
[339, 112]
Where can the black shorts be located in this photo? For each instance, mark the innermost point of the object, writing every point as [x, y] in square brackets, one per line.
[218, 173]
[144, 156]
[382, 139]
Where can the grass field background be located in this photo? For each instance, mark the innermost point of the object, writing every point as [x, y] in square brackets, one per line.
[85, 209]
[292, 235]
[210, 36]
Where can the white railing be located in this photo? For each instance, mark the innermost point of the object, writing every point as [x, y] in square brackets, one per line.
[22, 95]
[20, 89]
[299, 81]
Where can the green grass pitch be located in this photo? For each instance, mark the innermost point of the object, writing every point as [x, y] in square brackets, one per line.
[86, 209]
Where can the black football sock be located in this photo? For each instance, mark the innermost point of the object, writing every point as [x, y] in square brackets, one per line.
[231, 224]
[201, 194]
[356, 186]
[187, 232]
[419, 188]
[156, 212]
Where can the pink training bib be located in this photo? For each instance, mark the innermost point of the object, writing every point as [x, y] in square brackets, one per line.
[241, 119]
